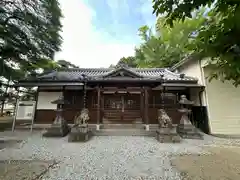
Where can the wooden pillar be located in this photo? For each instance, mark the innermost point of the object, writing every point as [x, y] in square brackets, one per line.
[36, 101]
[98, 107]
[146, 106]
[162, 97]
[142, 104]
[15, 110]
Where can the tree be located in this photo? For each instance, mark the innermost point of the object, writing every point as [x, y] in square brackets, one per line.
[29, 35]
[150, 52]
[130, 61]
[112, 66]
[168, 45]
[218, 39]
[66, 64]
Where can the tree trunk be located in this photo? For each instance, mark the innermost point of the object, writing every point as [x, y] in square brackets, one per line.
[3, 101]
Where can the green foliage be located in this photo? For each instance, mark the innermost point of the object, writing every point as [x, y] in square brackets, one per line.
[129, 61]
[29, 36]
[168, 45]
[111, 66]
[218, 39]
[65, 64]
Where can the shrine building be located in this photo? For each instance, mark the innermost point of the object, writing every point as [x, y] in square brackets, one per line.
[120, 95]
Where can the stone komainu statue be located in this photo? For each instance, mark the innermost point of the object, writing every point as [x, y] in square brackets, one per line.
[163, 119]
[83, 117]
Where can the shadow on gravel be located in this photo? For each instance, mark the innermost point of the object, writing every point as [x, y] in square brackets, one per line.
[24, 169]
[220, 163]
[5, 124]
[8, 143]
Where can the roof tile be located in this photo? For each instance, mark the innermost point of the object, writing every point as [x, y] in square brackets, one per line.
[96, 73]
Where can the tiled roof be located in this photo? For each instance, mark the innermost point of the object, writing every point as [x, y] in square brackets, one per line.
[100, 73]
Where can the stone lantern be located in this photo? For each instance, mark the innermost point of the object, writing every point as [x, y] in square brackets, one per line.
[59, 127]
[185, 127]
[80, 132]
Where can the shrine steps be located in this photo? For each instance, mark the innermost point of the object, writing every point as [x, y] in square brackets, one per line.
[124, 132]
[122, 126]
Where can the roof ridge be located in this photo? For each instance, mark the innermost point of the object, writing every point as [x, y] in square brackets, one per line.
[178, 74]
[99, 73]
[104, 69]
[173, 73]
[82, 69]
[149, 69]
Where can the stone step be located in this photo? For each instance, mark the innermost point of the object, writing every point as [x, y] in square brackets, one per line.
[191, 135]
[124, 132]
[153, 126]
[122, 126]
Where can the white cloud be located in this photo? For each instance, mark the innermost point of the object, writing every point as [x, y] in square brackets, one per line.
[82, 44]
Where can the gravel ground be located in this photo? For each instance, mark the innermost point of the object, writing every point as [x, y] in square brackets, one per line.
[113, 158]
[223, 163]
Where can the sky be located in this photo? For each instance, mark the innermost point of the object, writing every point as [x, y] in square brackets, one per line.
[97, 33]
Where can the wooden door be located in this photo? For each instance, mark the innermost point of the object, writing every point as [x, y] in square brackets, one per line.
[131, 110]
[122, 108]
[113, 108]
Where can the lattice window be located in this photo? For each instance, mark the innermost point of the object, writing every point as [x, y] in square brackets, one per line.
[132, 102]
[113, 103]
[75, 99]
[94, 101]
[165, 99]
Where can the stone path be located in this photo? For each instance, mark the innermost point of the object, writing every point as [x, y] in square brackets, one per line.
[113, 158]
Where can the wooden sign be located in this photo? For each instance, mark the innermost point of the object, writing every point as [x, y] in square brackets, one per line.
[25, 110]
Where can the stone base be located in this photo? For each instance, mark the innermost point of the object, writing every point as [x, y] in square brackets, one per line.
[57, 131]
[188, 131]
[79, 134]
[97, 127]
[147, 128]
[167, 135]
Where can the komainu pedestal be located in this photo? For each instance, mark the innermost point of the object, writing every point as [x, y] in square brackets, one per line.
[185, 128]
[167, 132]
[80, 131]
[168, 135]
[79, 134]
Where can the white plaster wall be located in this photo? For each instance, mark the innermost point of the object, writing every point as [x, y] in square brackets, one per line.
[8, 106]
[194, 96]
[194, 69]
[223, 100]
[45, 99]
[50, 88]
